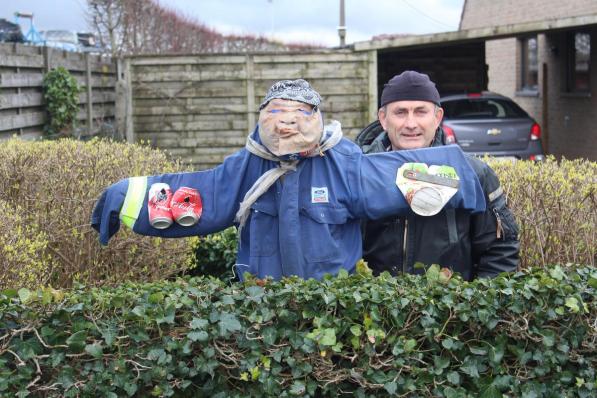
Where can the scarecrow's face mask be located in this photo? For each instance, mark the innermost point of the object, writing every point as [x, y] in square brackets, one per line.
[287, 127]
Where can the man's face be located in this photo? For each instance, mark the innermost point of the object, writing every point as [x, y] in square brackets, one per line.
[410, 124]
[287, 126]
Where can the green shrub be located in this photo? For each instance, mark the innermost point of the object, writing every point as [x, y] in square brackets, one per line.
[531, 334]
[555, 204]
[61, 96]
[215, 255]
[48, 189]
[24, 258]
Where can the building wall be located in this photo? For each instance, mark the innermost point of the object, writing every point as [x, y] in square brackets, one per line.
[569, 121]
[572, 120]
[484, 13]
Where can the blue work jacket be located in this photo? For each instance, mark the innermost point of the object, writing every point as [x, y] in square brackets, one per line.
[308, 223]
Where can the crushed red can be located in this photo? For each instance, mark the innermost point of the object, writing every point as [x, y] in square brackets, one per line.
[159, 201]
[186, 206]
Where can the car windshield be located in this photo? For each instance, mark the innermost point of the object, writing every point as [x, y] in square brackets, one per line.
[482, 108]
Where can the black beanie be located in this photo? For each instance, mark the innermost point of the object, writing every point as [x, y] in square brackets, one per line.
[409, 86]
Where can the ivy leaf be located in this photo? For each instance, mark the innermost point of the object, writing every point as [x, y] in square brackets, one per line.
[356, 330]
[95, 350]
[491, 392]
[470, 368]
[409, 345]
[228, 324]
[329, 337]
[255, 293]
[76, 341]
[297, 388]
[200, 335]
[557, 273]
[454, 378]
[156, 298]
[391, 387]
[549, 338]
[572, 303]
[24, 295]
[198, 323]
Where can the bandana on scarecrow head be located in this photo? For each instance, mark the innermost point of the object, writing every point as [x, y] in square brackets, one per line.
[289, 120]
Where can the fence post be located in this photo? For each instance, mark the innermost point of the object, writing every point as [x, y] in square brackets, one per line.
[250, 93]
[128, 89]
[89, 94]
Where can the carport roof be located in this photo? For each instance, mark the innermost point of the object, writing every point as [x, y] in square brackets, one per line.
[478, 34]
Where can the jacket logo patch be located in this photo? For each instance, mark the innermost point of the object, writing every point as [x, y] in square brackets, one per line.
[319, 195]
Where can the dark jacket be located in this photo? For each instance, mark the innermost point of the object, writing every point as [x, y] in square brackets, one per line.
[474, 245]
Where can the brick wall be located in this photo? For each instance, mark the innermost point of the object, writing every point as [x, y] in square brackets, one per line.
[569, 120]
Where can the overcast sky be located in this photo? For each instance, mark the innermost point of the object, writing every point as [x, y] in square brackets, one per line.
[303, 21]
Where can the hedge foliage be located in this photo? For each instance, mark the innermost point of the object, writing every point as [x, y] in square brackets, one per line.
[555, 204]
[47, 192]
[531, 334]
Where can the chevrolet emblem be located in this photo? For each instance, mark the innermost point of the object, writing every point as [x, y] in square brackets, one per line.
[494, 131]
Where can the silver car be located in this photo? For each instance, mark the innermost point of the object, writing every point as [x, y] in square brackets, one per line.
[491, 124]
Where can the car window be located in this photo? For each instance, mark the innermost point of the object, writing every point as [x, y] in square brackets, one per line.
[482, 108]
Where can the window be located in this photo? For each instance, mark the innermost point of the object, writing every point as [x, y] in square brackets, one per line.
[579, 62]
[482, 108]
[528, 65]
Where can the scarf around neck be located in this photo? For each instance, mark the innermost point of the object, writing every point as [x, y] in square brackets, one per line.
[332, 134]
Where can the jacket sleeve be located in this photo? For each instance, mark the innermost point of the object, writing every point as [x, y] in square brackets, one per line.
[376, 195]
[221, 190]
[495, 242]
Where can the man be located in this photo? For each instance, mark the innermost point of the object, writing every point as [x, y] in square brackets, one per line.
[475, 245]
[297, 192]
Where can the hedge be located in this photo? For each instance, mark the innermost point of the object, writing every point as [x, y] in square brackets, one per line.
[531, 334]
[47, 192]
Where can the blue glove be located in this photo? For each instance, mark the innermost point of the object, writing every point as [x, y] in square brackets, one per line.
[105, 218]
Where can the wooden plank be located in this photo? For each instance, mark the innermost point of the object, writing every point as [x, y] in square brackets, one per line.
[20, 79]
[188, 60]
[372, 90]
[21, 100]
[89, 93]
[13, 122]
[216, 74]
[213, 89]
[239, 109]
[163, 124]
[311, 71]
[103, 111]
[22, 61]
[98, 97]
[184, 102]
[326, 86]
[213, 143]
[336, 57]
[250, 91]
[19, 49]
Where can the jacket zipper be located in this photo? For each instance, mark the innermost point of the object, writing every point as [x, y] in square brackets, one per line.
[404, 246]
[500, 228]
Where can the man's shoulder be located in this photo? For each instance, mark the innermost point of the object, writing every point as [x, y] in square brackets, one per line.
[480, 167]
[487, 177]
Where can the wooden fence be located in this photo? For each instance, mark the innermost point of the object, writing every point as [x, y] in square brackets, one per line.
[200, 108]
[22, 68]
